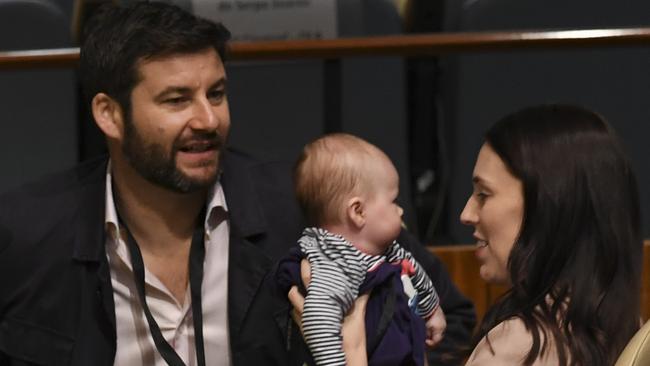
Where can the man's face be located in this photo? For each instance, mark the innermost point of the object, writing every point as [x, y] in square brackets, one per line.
[179, 121]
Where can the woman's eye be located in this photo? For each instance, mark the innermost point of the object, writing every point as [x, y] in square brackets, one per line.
[481, 195]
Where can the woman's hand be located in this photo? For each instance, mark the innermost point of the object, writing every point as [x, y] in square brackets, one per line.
[354, 333]
[353, 328]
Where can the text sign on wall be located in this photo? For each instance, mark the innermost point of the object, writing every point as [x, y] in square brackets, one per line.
[256, 20]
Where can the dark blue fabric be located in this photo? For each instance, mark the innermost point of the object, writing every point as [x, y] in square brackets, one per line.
[403, 340]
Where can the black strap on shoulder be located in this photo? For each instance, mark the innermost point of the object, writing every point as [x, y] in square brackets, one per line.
[197, 256]
[388, 310]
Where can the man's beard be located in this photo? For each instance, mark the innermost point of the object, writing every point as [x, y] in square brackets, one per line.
[152, 162]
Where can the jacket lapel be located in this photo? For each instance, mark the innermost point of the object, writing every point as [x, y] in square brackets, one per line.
[248, 264]
[89, 247]
[247, 269]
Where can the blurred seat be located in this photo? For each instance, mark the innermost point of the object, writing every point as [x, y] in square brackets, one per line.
[480, 88]
[39, 110]
[637, 351]
[32, 24]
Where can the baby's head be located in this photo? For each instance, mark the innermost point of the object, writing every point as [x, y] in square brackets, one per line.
[349, 187]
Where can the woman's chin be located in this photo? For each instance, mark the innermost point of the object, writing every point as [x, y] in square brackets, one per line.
[493, 278]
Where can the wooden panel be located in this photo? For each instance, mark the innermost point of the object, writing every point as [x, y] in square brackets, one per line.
[399, 45]
[40, 59]
[463, 268]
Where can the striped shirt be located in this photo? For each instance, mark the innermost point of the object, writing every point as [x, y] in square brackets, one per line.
[337, 271]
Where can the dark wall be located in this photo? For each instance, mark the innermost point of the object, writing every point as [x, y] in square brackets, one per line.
[481, 88]
[37, 107]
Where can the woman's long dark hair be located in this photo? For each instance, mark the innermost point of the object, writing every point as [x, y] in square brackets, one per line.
[576, 265]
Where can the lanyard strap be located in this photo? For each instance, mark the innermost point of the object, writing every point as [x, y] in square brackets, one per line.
[197, 256]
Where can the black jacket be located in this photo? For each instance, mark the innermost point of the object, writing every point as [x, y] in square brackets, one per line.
[56, 299]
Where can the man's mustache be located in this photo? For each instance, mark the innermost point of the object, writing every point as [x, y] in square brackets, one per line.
[213, 139]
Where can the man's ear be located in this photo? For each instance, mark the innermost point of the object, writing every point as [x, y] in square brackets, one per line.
[108, 116]
[354, 211]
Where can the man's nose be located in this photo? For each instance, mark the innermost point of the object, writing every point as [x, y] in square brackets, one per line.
[205, 116]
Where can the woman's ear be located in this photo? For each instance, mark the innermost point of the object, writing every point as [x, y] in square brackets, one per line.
[355, 212]
[108, 116]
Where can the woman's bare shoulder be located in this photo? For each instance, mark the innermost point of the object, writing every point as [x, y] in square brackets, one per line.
[509, 343]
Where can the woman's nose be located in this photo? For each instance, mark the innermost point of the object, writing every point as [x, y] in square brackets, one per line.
[469, 216]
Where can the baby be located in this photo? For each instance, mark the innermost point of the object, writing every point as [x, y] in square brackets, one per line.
[347, 189]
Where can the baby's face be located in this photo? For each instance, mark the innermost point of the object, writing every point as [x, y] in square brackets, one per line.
[383, 214]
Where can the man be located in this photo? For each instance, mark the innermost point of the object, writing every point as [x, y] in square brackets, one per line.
[161, 253]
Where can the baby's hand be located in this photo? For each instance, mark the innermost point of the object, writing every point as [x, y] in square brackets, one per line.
[436, 325]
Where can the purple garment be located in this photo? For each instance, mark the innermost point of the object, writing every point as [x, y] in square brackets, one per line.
[402, 342]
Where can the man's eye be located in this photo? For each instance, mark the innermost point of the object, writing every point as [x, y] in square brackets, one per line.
[175, 100]
[216, 94]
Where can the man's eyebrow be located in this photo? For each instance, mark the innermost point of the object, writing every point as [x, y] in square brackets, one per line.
[219, 83]
[182, 90]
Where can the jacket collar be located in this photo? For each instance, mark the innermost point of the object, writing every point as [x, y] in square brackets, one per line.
[242, 199]
[241, 196]
[89, 245]
[248, 264]
[90, 236]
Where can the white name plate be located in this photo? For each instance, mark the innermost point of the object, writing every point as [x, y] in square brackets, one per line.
[258, 20]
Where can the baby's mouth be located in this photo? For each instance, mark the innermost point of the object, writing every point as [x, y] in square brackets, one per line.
[481, 244]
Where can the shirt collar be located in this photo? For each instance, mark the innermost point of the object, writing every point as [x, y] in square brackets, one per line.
[217, 209]
[216, 206]
[110, 215]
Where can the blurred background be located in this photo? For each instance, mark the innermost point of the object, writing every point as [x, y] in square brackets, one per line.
[427, 113]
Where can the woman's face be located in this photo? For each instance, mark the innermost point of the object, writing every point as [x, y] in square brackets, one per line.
[495, 210]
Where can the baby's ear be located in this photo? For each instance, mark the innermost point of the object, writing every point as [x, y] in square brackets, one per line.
[355, 212]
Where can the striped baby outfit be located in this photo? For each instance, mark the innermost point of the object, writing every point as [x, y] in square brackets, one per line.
[337, 271]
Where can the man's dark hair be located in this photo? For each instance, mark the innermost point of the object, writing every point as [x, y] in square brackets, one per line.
[117, 38]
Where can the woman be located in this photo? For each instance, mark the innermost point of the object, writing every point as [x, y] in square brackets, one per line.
[556, 217]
